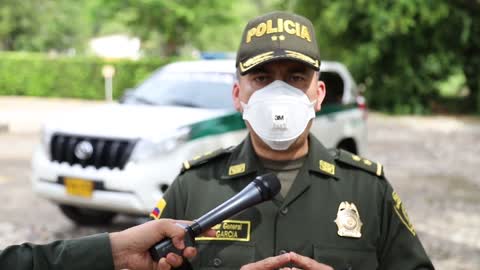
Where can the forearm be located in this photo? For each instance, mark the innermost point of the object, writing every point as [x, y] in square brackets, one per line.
[92, 252]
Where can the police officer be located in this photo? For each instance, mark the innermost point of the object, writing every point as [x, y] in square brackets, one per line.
[335, 209]
[127, 249]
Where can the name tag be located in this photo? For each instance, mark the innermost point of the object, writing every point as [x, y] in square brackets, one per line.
[231, 230]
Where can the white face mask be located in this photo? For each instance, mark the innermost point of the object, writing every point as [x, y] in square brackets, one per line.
[278, 113]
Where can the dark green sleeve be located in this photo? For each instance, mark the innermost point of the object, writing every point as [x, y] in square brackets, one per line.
[401, 248]
[175, 200]
[175, 208]
[92, 252]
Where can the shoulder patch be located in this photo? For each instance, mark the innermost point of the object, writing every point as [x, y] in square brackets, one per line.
[204, 158]
[359, 162]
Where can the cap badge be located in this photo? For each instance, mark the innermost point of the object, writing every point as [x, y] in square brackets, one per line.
[348, 220]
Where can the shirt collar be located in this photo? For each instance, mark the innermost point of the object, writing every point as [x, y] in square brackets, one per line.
[244, 161]
[319, 159]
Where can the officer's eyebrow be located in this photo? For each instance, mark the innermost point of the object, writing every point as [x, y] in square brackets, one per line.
[258, 70]
[298, 69]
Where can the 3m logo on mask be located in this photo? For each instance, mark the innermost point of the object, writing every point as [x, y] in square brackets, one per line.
[279, 118]
[279, 26]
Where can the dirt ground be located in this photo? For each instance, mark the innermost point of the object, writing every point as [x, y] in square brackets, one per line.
[432, 163]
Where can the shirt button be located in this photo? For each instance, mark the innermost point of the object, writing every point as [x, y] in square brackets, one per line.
[217, 262]
[283, 251]
[284, 211]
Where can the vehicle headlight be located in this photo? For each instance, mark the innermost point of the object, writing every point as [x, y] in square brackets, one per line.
[150, 148]
[45, 139]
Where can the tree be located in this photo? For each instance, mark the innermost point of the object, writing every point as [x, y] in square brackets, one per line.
[400, 49]
[42, 25]
[175, 22]
[467, 14]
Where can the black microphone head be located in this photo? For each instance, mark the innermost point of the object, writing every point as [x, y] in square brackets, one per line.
[268, 184]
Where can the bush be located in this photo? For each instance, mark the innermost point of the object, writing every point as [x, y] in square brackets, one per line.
[32, 74]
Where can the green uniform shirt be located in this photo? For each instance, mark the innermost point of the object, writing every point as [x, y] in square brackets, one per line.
[340, 211]
[92, 252]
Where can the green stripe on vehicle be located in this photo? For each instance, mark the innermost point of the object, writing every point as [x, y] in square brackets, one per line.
[234, 122]
[219, 125]
[333, 108]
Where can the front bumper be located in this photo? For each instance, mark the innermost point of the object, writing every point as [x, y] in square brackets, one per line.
[134, 190]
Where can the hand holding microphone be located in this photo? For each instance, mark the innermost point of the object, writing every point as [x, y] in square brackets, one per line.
[262, 188]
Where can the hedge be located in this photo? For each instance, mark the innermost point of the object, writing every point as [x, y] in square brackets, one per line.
[32, 74]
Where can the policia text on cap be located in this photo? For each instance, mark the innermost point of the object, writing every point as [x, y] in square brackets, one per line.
[335, 209]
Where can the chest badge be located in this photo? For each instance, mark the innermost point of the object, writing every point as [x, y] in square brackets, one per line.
[348, 220]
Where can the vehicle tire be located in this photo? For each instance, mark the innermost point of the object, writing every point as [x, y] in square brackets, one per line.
[85, 216]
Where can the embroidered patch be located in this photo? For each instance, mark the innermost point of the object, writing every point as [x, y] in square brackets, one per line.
[236, 169]
[327, 167]
[231, 230]
[157, 211]
[401, 212]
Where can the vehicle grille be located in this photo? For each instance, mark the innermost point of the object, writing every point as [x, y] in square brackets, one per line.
[111, 153]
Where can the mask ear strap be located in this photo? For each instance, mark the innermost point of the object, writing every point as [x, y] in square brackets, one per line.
[244, 109]
[244, 105]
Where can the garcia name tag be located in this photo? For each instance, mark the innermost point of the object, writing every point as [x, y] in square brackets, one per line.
[231, 230]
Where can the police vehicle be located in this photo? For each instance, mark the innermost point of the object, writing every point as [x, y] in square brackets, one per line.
[121, 157]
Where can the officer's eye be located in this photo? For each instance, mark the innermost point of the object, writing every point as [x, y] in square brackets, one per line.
[297, 78]
[261, 78]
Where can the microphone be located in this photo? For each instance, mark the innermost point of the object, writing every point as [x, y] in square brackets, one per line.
[262, 188]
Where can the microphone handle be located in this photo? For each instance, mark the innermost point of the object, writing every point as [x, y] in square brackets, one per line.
[162, 248]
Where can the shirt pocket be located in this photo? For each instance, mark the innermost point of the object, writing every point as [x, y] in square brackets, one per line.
[221, 255]
[346, 258]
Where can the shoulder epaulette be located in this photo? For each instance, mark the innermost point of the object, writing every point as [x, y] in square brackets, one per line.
[204, 158]
[359, 162]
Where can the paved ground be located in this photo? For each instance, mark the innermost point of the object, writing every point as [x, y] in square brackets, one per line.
[431, 161]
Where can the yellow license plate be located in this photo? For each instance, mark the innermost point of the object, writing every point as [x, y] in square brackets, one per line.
[78, 187]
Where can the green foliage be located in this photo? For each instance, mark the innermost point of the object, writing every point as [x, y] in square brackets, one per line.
[176, 21]
[400, 49]
[408, 54]
[76, 77]
[42, 25]
[168, 26]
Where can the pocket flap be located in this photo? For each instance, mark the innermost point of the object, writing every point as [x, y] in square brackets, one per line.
[216, 254]
[344, 258]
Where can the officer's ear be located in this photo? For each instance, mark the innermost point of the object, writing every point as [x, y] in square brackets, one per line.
[236, 96]
[321, 92]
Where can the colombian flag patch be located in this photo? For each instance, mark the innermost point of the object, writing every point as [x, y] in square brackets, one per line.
[157, 211]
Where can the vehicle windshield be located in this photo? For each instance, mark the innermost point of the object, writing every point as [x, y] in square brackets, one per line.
[190, 89]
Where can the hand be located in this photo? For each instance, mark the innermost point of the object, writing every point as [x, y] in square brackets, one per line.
[268, 263]
[301, 262]
[130, 247]
[306, 263]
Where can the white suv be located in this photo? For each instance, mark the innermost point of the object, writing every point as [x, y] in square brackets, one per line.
[121, 158]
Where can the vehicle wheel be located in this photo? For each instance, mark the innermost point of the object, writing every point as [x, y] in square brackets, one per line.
[85, 216]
